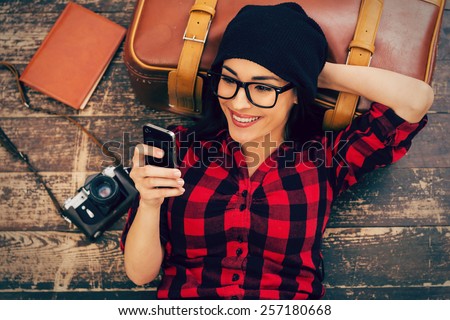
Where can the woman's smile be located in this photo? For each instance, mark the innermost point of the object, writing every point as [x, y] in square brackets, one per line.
[242, 120]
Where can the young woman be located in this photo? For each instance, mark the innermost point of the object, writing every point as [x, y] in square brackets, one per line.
[244, 214]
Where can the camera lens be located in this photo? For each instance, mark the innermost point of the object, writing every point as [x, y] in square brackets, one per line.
[104, 190]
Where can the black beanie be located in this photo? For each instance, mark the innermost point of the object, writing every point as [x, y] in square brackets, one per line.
[281, 38]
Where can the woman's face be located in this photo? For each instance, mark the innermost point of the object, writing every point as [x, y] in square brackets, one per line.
[247, 122]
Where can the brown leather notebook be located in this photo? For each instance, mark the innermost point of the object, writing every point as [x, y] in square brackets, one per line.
[74, 56]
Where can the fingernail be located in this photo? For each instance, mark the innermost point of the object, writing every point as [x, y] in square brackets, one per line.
[177, 173]
[180, 182]
[159, 153]
[182, 190]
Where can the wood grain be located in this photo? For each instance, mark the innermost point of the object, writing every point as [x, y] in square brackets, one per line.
[56, 6]
[441, 87]
[398, 256]
[355, 259]
[60, 262]
[384, 198]
[388, 293]
[369, 293]
[395, 197]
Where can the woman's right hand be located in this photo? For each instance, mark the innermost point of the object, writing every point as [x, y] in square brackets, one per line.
[154, 183]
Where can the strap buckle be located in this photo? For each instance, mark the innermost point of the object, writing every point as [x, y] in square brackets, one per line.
[193, 38]
[23, 156]
[348, 57]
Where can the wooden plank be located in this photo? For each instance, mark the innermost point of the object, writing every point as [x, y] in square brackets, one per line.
[444, 36]
[26, 206]
[53, 144]
[404, 293]
[141, 294]
[54, 261]
[394, 197]
[413, 293]
[355, 259]
[385, 257]
[51, 6]
[441, 87]
[384, 198]
[429, 149]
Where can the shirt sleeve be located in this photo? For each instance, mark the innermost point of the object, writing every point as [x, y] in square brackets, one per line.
[182, 139]
[376, 139]
[163, 229]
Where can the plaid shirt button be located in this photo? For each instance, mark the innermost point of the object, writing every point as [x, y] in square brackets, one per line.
[244, 193]
[240, 239]
[242, 207]
[238, 251]
[235, 277]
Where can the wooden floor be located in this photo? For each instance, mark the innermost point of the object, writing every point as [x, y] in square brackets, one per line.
[388, 238]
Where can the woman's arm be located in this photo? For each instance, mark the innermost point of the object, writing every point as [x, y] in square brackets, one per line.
[143, 250]
[408, 97]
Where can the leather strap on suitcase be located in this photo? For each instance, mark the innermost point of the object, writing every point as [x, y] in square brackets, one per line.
[184, 86]
[361, 49]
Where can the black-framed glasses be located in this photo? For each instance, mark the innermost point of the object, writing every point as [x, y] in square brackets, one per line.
[262, 95]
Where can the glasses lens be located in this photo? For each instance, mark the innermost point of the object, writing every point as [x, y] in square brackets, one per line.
[259, 94]
[262, 95]
[226, 86]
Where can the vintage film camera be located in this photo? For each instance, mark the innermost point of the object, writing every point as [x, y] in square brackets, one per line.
[103, 199]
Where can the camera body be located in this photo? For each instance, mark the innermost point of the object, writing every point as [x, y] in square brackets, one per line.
[103, 199]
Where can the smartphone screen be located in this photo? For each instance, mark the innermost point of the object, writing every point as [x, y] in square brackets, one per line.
[161, 138]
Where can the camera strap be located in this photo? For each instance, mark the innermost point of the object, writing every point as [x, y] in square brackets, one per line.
[9, 145]
[14, 151]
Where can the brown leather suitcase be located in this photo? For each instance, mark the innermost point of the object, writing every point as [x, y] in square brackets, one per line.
[406, 42]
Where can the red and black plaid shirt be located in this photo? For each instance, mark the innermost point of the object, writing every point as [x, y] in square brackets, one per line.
[234, 236]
